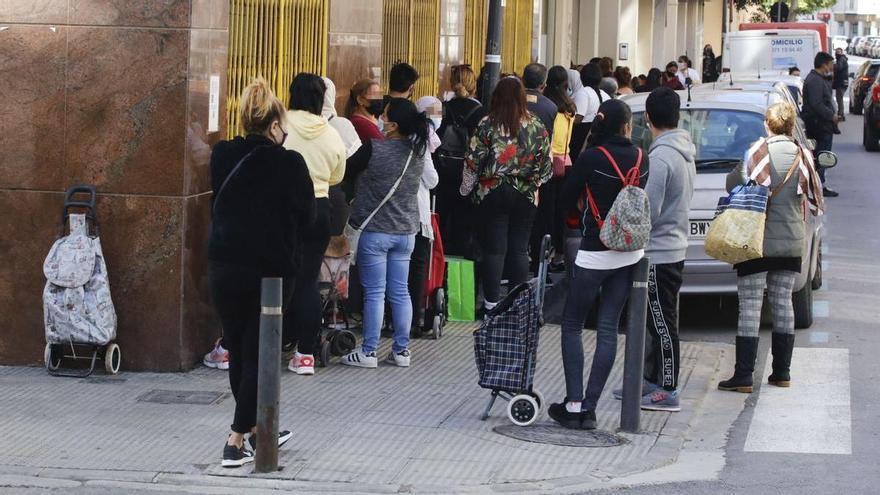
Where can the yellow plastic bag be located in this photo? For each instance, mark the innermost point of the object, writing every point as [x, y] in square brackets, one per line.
[737, 233]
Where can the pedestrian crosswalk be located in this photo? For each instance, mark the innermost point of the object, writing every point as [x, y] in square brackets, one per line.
[813, 416]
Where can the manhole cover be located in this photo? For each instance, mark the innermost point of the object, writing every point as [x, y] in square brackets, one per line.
[557, 435]
[181, 397]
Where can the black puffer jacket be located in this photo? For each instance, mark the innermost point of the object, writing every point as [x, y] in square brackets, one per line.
[841, 72]
[594, 170]
[259, 217]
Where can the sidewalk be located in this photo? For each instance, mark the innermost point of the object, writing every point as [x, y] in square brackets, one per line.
[389, 430]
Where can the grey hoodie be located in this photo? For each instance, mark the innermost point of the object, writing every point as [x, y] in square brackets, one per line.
[670, 189]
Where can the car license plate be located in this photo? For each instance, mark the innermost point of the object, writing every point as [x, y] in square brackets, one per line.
[699, 229]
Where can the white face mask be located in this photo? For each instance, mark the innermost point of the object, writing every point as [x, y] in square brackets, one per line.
[436, 121]
[380, 124]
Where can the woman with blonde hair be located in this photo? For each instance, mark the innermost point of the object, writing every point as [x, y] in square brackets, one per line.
[263, 199]
[785, 166]
[461, 116]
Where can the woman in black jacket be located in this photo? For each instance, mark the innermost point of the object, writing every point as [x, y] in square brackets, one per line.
[263, 198]
[596, 267]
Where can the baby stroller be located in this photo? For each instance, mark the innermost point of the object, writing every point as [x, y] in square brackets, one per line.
[335, 339]
[78, 311]
[435, 293]
[506, 347]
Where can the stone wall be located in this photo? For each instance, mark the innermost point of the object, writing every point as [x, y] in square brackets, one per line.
[114, 93]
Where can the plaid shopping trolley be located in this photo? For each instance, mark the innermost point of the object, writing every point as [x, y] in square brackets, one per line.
[506, 347]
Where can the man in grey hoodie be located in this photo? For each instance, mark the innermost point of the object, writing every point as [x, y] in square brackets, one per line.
[670, 189]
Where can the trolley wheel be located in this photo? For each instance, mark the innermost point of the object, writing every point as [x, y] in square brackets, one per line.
[539, 397]
[112, 359]
[325, 354]
[437, 327]
[522, 410]
[51, 357]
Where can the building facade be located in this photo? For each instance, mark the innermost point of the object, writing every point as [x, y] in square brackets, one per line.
[853, 18]
[131, 95]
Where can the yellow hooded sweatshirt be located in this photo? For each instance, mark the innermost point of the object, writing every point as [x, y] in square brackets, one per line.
[320, 146]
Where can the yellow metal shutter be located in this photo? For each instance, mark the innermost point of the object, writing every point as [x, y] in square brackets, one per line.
[273, 39]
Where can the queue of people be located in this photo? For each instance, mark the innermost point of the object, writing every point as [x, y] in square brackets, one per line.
[548, 155]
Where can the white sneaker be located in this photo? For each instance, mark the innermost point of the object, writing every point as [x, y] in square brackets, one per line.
[361, 360]
[401, 358]
[302, 364]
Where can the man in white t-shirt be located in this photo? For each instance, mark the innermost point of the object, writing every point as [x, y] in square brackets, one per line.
[587, 99]
[686, 71]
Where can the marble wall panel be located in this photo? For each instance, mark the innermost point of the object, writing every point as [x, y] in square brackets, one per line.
[353, 57]
[34, 11]
[200, 324]
[126, 109]
[30, 222]
[208, 58]
[141, 237]
[210, 14]
[152, 13]
[32, 79]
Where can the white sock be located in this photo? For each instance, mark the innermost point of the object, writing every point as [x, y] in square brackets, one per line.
[489, 305]
[573, 407]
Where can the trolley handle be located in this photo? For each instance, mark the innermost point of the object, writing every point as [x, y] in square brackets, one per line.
[88, 203]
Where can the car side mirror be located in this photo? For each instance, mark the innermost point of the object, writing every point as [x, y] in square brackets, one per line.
[811, 143]
[827, 159]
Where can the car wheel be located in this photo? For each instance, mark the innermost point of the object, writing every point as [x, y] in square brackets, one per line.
[871, 137]
[816, 283]
[857, 108]
[802, 301]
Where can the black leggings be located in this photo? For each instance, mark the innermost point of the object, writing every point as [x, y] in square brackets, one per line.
[302, 320]
[507, 217]
[236, 295]
[418, 276]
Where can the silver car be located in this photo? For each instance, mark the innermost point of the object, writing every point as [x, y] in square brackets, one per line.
[723, 123]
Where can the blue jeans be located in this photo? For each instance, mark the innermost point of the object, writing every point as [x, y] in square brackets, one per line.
[383, 262]
[583, 290]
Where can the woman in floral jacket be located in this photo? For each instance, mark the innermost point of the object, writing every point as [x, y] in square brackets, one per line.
[509, 157]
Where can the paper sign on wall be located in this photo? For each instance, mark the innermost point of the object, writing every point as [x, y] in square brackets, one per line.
[214, 104]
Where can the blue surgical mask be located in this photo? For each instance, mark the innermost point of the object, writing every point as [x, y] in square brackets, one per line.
[436, 121]
[380, 124]
[569, 91]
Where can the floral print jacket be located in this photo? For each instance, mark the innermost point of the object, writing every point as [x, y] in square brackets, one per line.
[522, 161]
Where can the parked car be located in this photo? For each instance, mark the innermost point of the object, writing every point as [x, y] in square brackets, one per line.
[869, 45]
[723, 123]
[862, 80]
[851, 49]
[871, 136]
[875, 49]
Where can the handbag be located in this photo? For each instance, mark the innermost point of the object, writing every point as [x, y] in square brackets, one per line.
[736, 234]
[353, 234]
[561, 164]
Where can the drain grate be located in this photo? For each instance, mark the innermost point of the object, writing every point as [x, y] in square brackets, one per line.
[197, 397]
[557, 435]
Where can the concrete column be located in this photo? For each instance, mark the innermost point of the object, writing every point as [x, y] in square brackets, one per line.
[609, 23]
[665, 32]
[681, 39]
[560, 39]
[628, 32]
[588, 31]
[641, 60]
[694, 32]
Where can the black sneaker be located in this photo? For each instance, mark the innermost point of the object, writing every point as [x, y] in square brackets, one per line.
[236, 456]
[829, 193]
[588, 420]
[560, 414]
[283, 437]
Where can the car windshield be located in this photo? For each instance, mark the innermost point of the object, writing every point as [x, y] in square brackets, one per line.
[721, 136]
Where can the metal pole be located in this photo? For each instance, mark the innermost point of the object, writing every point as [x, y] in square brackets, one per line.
[269, 378]
[493, 49]
[634, 360]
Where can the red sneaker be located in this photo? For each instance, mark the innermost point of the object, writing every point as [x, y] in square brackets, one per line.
[302, 364]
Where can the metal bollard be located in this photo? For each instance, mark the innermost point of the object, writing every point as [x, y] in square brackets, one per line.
[634, 360]
[269, 378]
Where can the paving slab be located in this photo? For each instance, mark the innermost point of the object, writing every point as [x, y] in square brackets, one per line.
[414, 430]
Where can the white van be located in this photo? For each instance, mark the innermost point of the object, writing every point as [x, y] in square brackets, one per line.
[759, 52]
